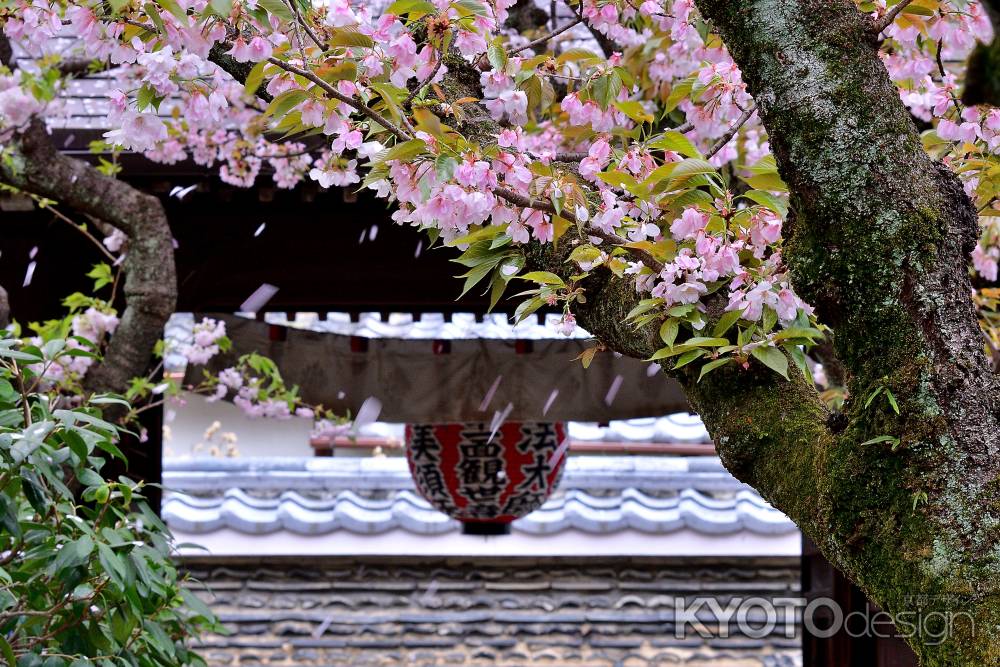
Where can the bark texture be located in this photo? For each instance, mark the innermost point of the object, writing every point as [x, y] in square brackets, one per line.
[879, 242]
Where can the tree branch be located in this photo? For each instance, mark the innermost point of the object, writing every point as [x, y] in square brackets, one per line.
[728, 136]
[4, 309]
[547, 207]
[544, 38]
[150, 283]
[890, 16]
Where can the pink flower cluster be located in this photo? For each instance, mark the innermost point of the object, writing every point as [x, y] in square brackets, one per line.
[205, 341]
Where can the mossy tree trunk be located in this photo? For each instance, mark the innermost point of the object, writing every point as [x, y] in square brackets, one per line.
[879, 242]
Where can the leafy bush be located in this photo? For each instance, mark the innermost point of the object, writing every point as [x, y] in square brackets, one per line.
[85, 570]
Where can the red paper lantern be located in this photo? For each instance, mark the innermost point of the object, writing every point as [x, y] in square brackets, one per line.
[486, 483]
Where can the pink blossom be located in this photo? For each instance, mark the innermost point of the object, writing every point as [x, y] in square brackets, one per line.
[689, 224]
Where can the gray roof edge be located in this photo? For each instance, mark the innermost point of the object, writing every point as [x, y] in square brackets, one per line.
[648, 473]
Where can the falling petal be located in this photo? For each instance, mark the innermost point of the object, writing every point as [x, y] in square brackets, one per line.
[367, 413]
[361, 239]
[498, 419]
[489, 394]
[321, 628]
[33, 252]
[616, 384]
[373, 232]
[181, 193]
[260, 229]
[558, 454]
[29, 274]
[340, 395]
[428, 596]
[259, 298]
[420, 247]
[551, 399]
[652, 370]
[69, 140]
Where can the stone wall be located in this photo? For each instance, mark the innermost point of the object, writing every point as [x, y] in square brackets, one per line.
[440, 612]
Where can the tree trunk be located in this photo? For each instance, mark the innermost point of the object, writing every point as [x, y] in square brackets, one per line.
[879, 242]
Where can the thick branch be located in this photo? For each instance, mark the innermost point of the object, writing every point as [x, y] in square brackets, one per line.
[37, 166]
[150, 283]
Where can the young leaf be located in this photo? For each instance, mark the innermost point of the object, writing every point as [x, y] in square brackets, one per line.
[668, 331]
[773, 358]
[543, 278]
[726, 322]
[711, 366]
[688, 357]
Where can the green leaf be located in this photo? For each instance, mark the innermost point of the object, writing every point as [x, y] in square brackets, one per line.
[704, 341]
[892, 401]
[668, 331]
[476, 274]
[497, 54]
[881, 438]
[773, 358]
[101, 273]
[278, 8]
[8, 652]
[112, 564]
[711, 366]
[406, 150]
[642, 307]
[634, 110]
[676, 142]
[222, 7]
[543, 278]
[767, 181]
[871, 397]
[413, 8]
[728, 319]
[285, 102]
[175, 9]
[688, 357]
[255, 78]
[345, 70]
[768, 201]
[678, 93]
[154, 16]
[348, 37]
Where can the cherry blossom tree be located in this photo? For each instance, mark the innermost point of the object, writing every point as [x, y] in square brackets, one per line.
[787, 204]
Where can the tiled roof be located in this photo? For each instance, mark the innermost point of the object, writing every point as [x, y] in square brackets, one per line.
[593, 612]
[598, 495]
[576, 509]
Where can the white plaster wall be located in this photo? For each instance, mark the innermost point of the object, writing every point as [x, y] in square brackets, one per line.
[186, 425]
